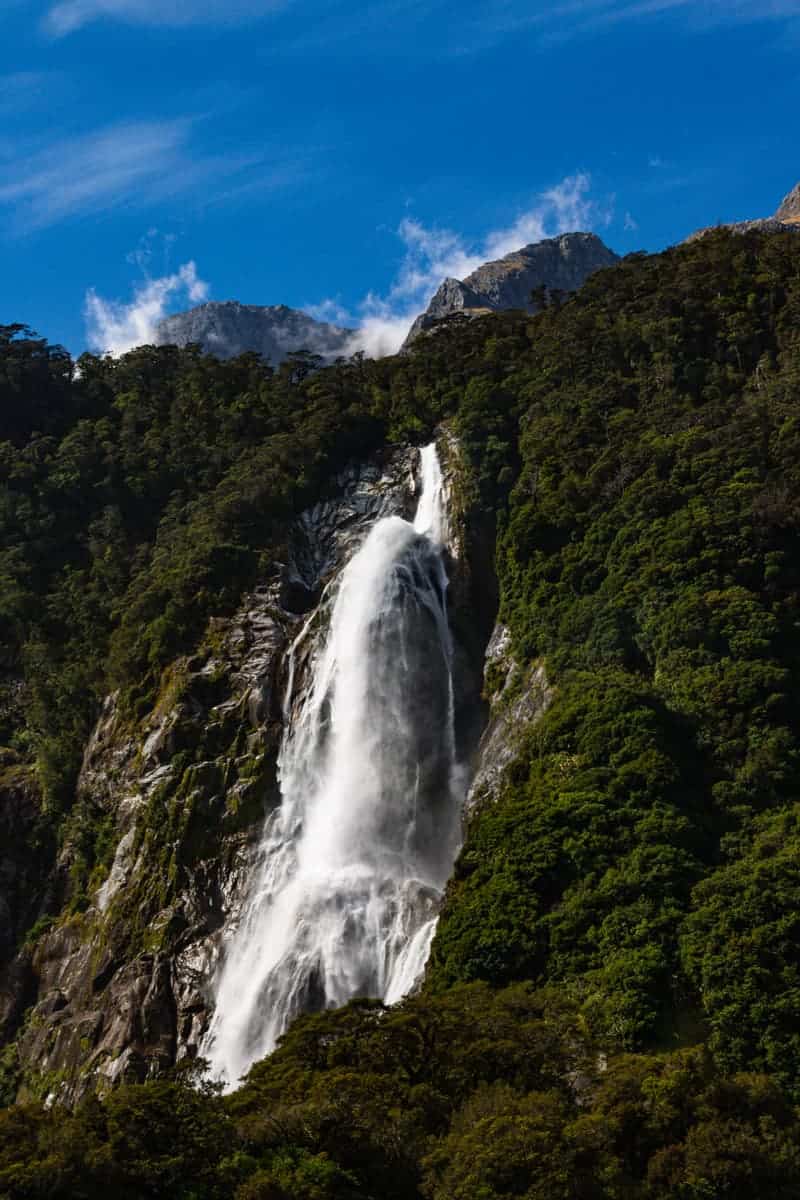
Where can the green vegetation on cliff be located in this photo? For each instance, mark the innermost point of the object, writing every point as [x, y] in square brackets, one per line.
[613, 1004]
[477, 1093]
[644, 852]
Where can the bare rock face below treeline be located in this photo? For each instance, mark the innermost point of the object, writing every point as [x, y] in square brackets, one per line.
[119, 987]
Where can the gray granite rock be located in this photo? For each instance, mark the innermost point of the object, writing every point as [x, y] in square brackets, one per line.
[229, 328]
[518, 700]
[789, 211]
[561, 263]
[759, 224]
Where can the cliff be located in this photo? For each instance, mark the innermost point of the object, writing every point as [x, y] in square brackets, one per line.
[121, 990]
[613, 974]
[789, 210]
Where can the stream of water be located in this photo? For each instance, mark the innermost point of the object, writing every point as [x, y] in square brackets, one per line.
[356, 856]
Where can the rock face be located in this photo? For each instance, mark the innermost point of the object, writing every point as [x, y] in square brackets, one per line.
[559, 264]
[759, 224]
[227, 329]
[789, 211]
[517, 701]
[119, 990]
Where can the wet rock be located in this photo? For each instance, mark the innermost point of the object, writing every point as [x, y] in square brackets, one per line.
[121, 990]
[518, 699]
[472, 595]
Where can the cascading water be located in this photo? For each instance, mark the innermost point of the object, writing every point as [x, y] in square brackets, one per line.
[355, 858]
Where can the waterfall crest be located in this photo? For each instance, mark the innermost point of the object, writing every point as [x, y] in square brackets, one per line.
[354, 860]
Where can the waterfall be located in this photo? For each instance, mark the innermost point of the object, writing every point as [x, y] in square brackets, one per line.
[354, 860]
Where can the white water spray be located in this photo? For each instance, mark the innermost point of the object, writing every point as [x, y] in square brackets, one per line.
[356, 856]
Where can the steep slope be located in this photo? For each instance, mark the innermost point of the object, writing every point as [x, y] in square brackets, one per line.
[562, 264]
[229, 328]
[116, 999]
[611, 1007]
[154, 807]
[789, 211]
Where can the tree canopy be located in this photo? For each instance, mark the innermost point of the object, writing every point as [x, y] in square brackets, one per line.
[613, 1000]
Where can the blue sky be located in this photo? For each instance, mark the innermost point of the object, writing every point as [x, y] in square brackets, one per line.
[344, 156]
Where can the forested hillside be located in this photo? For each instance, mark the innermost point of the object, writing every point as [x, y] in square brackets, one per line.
[612, 1007]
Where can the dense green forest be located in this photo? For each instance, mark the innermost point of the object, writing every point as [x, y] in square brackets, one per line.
[612, 1007]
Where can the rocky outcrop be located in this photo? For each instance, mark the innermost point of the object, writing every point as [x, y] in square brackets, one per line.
[789, 210]
[518, 699]
[759, 225]
[562, 263]
[229, 328]
[119, 980]
[452, 297]
[499, 699]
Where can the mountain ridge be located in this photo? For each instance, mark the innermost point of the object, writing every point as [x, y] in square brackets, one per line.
[561, 263]
[227, 328]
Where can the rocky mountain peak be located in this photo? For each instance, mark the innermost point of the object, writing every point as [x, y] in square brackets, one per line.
[227, 328]
[789, 211]
[560, 263]
[453, 296]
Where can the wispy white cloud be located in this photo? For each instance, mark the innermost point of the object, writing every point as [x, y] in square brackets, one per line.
[114, 327]
[99, 170]
[433, 255]
[133, 163]
[560, 22]
[363, 23]
[709, 13]
[332, 311]
[69, 15]
[381, 329]
[381, 322]
[436, 254]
